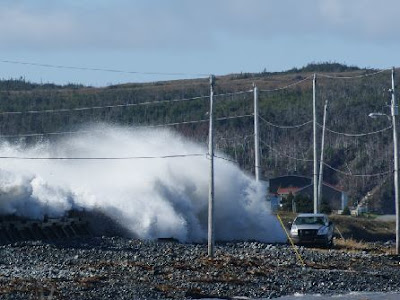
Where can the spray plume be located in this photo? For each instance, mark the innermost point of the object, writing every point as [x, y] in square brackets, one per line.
[150, 198]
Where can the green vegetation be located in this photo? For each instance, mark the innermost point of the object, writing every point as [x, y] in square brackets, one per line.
[288, 203]
[298, 204]
[303, 204]
[325, 207]
[325, 67]
[346, 211]
[350, 102]
[22, 85]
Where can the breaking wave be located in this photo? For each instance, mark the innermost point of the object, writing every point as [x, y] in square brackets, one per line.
[150, 198]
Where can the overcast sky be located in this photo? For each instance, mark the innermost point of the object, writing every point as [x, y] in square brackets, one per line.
[193, 37]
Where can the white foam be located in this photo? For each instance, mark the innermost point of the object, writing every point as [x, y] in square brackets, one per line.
[150, 197]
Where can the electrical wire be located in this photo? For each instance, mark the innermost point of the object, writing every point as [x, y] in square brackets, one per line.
[104, 158]
[284, 127]
[99, 69]
[62, 110]
[233, 93]
[198, 121]
[287, 86]
[356, 175]
[285, 155]
[234, 117]
[144, 126]
[223, 158]
[327, 165]
[352, 77]
[355, 134]
[180, 123]
[47, 133]
[101, 107]
[167, 73]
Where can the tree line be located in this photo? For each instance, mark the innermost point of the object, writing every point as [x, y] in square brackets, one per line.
[284, 151]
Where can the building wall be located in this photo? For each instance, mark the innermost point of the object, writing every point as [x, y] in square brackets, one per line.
[287, 181]
[336, 199]
[332, 196]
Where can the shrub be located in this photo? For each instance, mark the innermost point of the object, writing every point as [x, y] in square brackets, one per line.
[346, 211]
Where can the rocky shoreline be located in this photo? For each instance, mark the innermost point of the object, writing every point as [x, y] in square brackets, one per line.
[119, 268]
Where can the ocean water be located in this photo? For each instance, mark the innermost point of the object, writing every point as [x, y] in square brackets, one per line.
[150, 198]
[349, 296]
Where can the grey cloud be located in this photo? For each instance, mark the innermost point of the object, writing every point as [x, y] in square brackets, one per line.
[117, 26]
[175, 24]
[366, 20]
[362, 19]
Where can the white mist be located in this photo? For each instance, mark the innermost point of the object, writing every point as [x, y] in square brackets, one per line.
[151, 198]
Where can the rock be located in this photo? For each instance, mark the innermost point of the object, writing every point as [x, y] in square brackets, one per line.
[118, 268]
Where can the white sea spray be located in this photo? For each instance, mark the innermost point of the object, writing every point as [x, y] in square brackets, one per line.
[149, 197]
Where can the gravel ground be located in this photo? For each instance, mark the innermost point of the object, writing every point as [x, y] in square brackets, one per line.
[118, 268]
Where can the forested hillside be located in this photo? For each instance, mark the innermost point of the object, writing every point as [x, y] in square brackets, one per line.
[29, 109]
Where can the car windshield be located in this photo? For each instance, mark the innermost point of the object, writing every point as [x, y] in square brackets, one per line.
[309, 220]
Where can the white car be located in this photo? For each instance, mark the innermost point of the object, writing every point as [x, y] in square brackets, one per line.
[315, 229]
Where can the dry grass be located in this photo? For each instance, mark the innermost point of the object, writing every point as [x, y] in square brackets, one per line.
[355, 228]
[351, 244]
[364, 229]
[357, 245]
[90, 281]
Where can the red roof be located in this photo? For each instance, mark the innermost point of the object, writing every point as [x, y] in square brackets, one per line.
[288, 190]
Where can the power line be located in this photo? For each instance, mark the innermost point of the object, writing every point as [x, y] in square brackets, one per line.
[285, 155]
[144, 126]
[234, 93]
[47, 133]
[224, 158]
[234, 117]
[104, 158]
[61, 110]
[356, 175]
[352, 77]
[284, 127]
[327, 165]
[99, 69]
[242, 139]
[54, 66]
[198, 121]
[355, 134]
[286, 86]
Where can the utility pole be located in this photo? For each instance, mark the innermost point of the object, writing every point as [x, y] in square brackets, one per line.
[394, 112]
[211, 185]
[315, 173]
[256, 136]
[321, 162]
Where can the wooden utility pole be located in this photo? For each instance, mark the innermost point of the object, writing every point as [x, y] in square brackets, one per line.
[394, 113]
[321, 162]
[256, 136]
[315, 173]
[211, 184]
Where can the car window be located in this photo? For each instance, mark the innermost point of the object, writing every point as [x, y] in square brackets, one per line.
[310, 220]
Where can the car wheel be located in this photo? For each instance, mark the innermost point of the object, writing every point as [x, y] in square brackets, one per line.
[330, 243]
